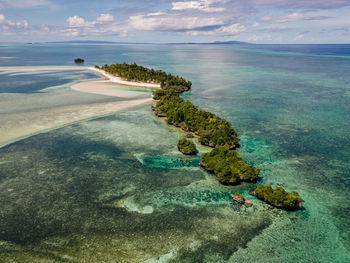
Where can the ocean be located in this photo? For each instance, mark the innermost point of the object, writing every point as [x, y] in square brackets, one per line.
[115, 188]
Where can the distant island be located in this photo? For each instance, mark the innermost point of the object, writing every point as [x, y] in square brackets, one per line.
[99, 42]
[79, 60]
[211, 130]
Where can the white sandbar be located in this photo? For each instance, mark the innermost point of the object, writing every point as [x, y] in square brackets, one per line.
[22, 125]
[43, 68]
[107, 88]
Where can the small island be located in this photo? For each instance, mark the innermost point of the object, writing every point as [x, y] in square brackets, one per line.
[79, 60]
[228, 166]
[186, 147]
[134, 72]
[278, 197]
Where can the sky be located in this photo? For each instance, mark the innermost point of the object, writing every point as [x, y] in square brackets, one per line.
[172, 21]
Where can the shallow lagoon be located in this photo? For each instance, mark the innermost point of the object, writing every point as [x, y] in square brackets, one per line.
[116, 189]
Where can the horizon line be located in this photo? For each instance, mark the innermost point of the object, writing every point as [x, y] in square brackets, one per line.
[232, 42]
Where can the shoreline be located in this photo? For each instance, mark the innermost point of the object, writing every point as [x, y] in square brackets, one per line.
[100, 72]
[118, 80]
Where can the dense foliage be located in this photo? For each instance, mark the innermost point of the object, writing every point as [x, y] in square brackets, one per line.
[228, 166]
[213, 130]
[278, 197]
[79, 60]
[186, 146]
[160, 93]
[134, 72]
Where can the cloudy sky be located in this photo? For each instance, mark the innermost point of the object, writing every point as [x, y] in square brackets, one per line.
[258, 21]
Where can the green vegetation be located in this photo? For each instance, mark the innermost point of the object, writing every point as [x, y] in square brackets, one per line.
[79, 60]
[212, 130]
[186, 146]
[278, 197]
[160, 93]
[228, 166]
[134, 72]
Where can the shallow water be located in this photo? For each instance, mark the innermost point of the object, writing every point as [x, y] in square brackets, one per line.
[116, 188]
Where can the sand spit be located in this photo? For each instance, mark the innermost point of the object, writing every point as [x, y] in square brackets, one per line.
[43, 68]
[19, 126]
[106, 87]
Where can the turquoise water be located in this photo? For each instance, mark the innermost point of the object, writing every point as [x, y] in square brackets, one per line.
[115, 189]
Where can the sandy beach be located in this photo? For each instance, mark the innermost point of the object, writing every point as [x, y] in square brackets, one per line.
[118, 80]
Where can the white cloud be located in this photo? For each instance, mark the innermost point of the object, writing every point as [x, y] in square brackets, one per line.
[196, 17]
[76, 21]
[203, 5]
[229, 30]
[105, 18]
[103, 24]
[8, 24]
[70, 32]
[292, 18]
[186, 5]
[165, 22]
[222, 31]
[278, 39]
[299, 37]
[301, 4]
[24, 3]
[21, 28]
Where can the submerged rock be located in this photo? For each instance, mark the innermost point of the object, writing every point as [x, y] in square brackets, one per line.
[248, 203]
[238, 198]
